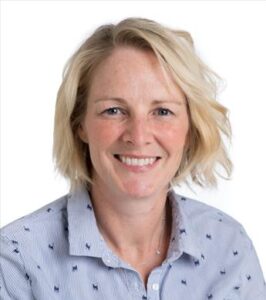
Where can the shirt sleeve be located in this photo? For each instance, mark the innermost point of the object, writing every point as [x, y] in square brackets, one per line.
[253, 283]
[15, 283]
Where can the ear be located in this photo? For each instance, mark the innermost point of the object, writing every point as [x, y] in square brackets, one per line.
[82, 134]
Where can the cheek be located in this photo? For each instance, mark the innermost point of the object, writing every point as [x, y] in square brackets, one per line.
[174, 135]
[102, 134]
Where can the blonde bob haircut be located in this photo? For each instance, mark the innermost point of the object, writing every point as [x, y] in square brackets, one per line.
[204, 157]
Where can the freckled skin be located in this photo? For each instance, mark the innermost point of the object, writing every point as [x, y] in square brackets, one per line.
[134, 109]
[137, 78]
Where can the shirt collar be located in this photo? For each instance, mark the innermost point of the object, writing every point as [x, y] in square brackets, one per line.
[184, 239]
[85, 239]
[83, 234]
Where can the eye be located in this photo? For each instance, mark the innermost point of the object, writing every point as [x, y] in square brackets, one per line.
[161, 111]
[113, 111]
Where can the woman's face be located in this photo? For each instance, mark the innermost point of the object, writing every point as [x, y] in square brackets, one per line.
[135, 125]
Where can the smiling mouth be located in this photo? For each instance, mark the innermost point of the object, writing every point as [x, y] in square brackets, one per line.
[133, 161]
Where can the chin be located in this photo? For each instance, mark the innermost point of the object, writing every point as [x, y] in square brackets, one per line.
[139, 190]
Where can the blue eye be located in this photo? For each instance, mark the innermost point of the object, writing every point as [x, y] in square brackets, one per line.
[163, 111]
[113, 111]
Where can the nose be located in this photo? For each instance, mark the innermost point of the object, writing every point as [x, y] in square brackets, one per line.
[138, 132]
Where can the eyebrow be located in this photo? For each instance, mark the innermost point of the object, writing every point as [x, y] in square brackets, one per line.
[108, 99]
[155, 101]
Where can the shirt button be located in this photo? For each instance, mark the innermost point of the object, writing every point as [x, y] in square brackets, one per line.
[155, 286]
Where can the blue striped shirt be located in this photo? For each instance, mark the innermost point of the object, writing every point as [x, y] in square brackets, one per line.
[58, 252]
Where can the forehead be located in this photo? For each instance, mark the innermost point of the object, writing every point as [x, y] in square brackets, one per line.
[133, 70]
[127, 56]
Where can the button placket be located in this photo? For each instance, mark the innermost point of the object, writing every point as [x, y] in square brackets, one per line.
[153, 287]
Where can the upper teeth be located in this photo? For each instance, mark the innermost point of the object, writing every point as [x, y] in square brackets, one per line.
[136, 161]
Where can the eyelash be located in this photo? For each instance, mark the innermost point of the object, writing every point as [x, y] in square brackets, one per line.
[168, 111]
[110, 111]
[114, 111]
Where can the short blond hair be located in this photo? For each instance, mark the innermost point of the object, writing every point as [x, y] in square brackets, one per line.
[205, 151]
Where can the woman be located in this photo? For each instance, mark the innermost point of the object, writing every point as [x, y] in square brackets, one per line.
[136, 113]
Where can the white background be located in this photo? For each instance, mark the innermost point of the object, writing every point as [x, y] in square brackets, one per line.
[37, 37]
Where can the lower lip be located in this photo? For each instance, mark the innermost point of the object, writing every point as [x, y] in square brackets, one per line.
[139, 169]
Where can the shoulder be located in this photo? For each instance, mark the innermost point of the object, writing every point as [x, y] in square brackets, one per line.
[214, 228]
[199, 210]
[227, 250]
[42, 222]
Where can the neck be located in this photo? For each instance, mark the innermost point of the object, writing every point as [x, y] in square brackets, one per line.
[134, 227]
